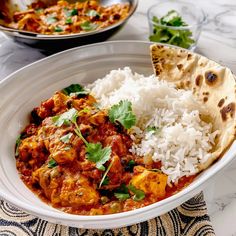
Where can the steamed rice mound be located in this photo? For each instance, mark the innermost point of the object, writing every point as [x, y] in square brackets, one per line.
[168, 128]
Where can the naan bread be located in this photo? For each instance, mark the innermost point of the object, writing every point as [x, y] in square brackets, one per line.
[212, 84]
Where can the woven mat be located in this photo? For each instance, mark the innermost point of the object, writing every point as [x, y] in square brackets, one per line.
[188, 219]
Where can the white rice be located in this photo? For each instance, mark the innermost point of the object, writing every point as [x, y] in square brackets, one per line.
[182, 140]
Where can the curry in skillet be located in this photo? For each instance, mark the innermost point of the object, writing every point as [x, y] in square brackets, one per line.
[68, 18]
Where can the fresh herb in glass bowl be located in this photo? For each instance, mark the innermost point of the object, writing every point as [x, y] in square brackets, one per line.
[181, 38]
[176, 22]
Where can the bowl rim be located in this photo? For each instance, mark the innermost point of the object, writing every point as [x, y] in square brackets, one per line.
[85, 218]
[32, 35]
[200, 23]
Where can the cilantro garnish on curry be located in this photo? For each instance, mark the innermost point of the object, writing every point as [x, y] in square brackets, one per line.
[77, 157]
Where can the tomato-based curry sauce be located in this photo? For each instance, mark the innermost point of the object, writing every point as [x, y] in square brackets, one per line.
[74, 158]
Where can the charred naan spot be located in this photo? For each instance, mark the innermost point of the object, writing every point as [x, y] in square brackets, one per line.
[211, 78]
[188, 83]
[181, 85]
[162, 60]
[160, 46]
[189, 57]
[201, 64]
[221, 102]
[180, 66]
[198, 80]
[205, 99]
[229, 109]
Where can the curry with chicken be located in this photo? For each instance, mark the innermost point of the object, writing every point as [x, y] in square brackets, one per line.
[68, 18]
[76, 157]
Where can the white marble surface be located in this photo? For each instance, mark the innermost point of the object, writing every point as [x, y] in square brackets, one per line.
[217, 41]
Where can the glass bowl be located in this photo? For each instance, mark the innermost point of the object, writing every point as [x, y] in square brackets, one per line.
[183, 36]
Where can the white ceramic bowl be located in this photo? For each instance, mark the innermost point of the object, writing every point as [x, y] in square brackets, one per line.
[26, 88]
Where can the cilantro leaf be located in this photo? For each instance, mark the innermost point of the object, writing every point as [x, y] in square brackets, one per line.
[153, 129]
[130, 166]
[58, 29]
[51, 19]
[105, 174]
[182, 37]
[75, 90]
[18, 142]
[138, 194]
[92, 13]
[98, 155]
[68, 21]
[106, 181]
[122, 193]
[52, 163]
[72, 12]
[122, 196]
[88, 26]
[66, 118]
[66, 138]
[122, 113]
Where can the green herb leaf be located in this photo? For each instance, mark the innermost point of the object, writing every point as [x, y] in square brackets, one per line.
[172, 18]
[72, 12]
[122, 196]
[75, 90]
[105, 174]
[153, 129]
[58, 29]
[66, 138]
[88, 26]
[122, 113]
[66, 118]
[130, 166]
[18, 142]
[182, 38]
[122, 193]
[122, 189]
[51, 19]
[68, 21]
[52, 163]
[98, 155]
[92, 13]
[138, 194]
[106, 181]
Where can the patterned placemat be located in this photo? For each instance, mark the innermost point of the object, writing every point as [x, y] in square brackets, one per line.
[189, 219]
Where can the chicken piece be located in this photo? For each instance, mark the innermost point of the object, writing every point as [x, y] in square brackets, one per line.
[64, 155]
[50, 107]
[76, 191]
[61, 151]
[98, 118]
[33, 151]
[115, 173]
[65, 188]
[60, 102]
[49, 180]
[151, 182]
[117, 144]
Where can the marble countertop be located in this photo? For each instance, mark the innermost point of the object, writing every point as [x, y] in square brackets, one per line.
[217, 41]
